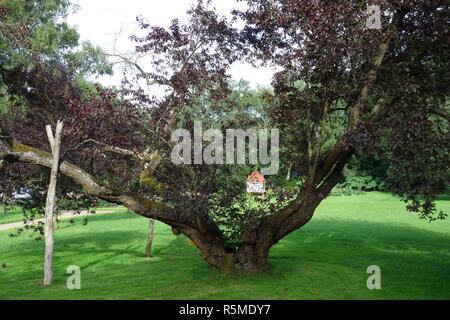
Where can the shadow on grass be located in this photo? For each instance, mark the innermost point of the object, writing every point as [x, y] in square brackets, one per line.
[327, 258]
[325, 240]
[444, 197]
[403, 251]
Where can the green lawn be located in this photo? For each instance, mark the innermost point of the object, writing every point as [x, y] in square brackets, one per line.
[14, 213]
[327, 259]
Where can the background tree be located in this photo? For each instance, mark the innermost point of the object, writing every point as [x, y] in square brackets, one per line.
[30, 28]
[32, 33]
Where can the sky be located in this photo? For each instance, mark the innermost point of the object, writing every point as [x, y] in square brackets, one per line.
[108, 23]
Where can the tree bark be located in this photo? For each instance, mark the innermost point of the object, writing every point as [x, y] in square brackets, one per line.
[148, 250]
[253, 258]
[258, 237]
[50, 204]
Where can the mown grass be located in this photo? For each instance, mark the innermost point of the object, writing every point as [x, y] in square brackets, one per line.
[326, 259]
[14, 213]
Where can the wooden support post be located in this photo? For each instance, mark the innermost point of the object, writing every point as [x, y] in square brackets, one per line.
[148, 250]
[4, 202]
[55, 142]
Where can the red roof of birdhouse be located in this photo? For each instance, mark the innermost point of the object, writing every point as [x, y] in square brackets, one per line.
[255, 176]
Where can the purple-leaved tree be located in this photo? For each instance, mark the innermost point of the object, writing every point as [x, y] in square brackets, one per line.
[343, 88]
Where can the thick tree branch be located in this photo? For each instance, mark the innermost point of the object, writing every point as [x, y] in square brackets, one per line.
[205, 235]
[16, 152]
[326, 175]
[354, 117]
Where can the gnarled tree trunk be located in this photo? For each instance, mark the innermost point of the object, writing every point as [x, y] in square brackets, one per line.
[257, 238]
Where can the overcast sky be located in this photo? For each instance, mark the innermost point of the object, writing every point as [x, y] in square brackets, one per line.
[100, 20]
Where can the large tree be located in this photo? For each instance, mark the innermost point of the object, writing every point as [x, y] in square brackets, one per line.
[343, 88]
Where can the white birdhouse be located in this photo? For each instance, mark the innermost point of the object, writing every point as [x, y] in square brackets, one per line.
[256, 183]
